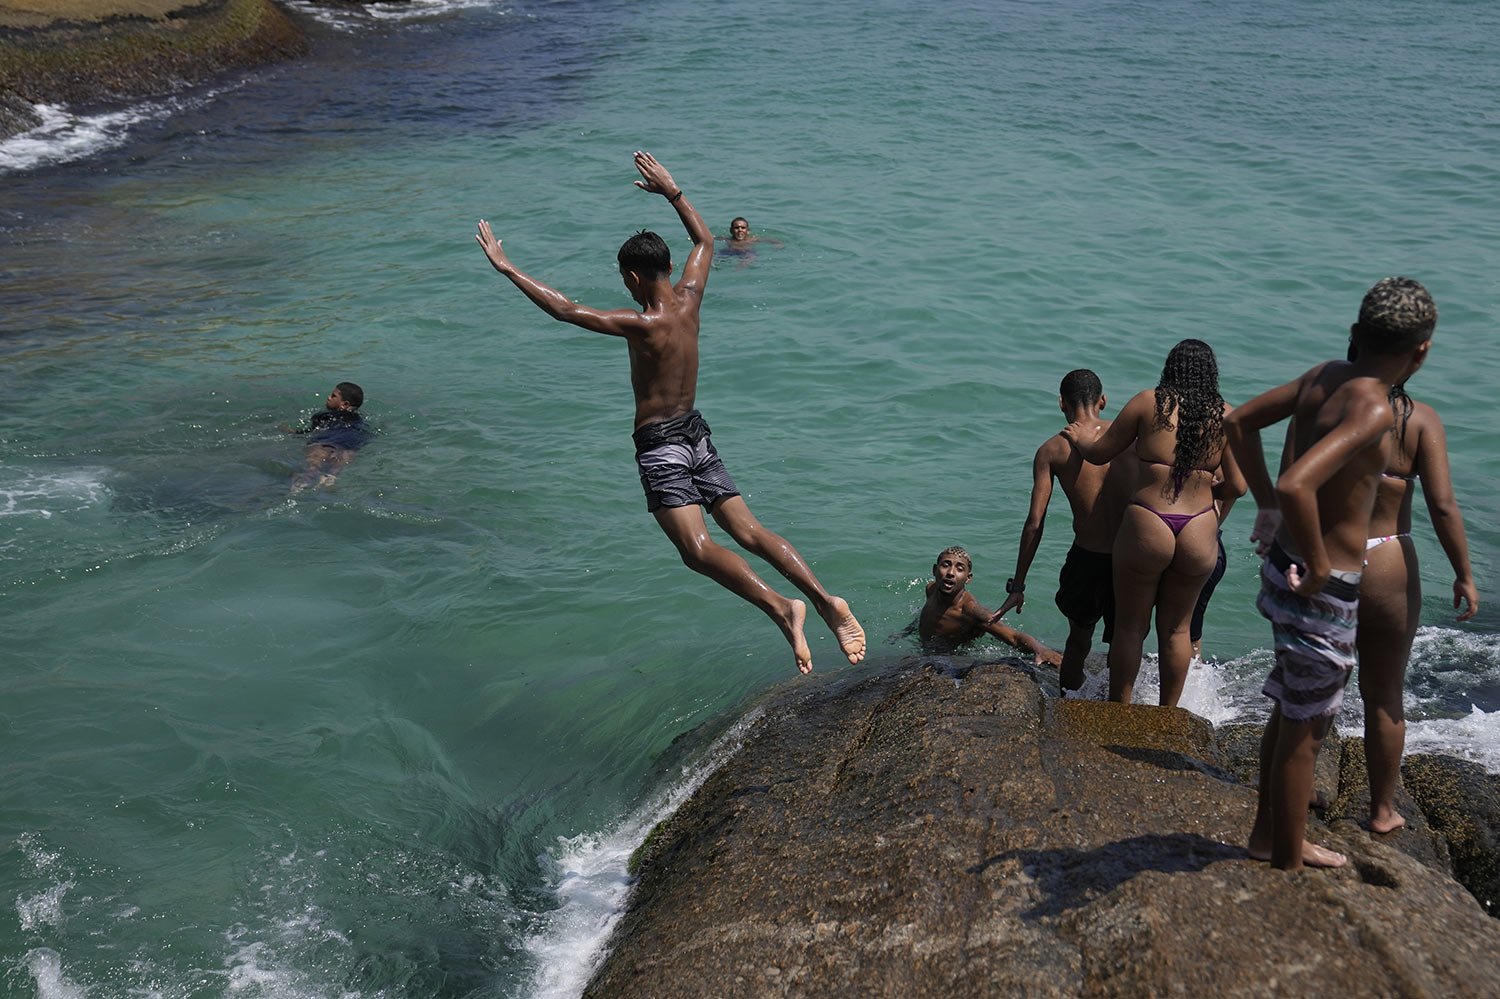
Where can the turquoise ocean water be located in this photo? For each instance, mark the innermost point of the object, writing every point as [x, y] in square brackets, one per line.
[396, 737]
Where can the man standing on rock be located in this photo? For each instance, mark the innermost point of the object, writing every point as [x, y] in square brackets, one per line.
[680, 469]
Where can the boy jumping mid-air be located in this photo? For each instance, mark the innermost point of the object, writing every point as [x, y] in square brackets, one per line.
[680, 469]
[1312, 527]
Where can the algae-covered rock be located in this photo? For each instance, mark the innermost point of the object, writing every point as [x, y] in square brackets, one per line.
[87, 56]
[922, 834]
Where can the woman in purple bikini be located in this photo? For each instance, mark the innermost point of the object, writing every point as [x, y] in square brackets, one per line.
[1168, 542]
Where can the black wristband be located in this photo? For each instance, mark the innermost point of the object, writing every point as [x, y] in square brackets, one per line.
[1011, 586]
[673, 199]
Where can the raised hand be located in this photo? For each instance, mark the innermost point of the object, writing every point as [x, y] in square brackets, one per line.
[654, 176]
[486, 238]
[1012, 602]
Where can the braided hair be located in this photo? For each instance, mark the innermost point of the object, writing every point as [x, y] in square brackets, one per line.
[1190, 386]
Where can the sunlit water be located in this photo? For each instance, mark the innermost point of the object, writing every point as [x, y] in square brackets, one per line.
[397, 737]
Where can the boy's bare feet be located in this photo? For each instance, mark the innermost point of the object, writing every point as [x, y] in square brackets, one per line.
[1313, 855]
[791, 627]
[1387, 820]
[845, 628]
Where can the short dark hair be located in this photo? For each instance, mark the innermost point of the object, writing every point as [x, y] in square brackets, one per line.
[351, 393]
[1080, 387]
[739, 218]
[1395, 316]
[957, 552]
[646, 253]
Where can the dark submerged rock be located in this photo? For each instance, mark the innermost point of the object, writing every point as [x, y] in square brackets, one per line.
[922, 834]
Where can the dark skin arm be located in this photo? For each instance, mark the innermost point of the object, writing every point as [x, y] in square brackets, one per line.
[1229, 483]
[1119, 435]
[1447, 520]
[1031, 531]
[1363, 425]
[612, 322]
[976, 613]
[1242, 430]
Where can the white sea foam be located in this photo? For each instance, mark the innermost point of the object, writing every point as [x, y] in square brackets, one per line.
[1476, 737]
[63, 136]
[592, 883]
[46, 969]
[29, 493]
[355, 18]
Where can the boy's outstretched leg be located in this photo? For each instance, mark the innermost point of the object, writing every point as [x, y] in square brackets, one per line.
[685, 527]
[734, 515]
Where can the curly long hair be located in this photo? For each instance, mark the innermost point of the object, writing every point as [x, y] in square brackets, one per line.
[1189, 390]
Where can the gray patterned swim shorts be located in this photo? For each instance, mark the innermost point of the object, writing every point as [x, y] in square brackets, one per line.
[1314, 639]
[679, 465]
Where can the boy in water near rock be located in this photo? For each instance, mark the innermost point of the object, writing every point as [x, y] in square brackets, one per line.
[1312, 526]
[333, 435]
[680, 470]
[951, 617]
[1097, 494]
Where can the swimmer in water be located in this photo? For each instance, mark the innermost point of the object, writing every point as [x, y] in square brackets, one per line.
[333, 435]
[741, 242]
[951, 617]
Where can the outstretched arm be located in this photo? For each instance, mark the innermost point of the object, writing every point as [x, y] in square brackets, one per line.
[656, 179]
[615, 322]
[1031, 531]
[1447, 520]
[1117, 437]
[1010, 636]
[1242, 432]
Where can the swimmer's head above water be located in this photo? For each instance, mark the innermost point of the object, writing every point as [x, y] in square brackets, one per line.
[953, 569]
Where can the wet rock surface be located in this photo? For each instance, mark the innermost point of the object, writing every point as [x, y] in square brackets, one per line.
[926, 832]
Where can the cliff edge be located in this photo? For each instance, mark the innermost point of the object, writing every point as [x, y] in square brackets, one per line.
[926, 833]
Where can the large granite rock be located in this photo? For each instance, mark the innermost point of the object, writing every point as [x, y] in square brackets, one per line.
[96, 54]
[923, 834]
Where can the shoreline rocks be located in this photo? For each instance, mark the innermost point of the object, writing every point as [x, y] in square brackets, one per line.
[937, 833]
[90, 55]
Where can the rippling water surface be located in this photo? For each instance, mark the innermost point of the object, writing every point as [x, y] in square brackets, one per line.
[396, 737]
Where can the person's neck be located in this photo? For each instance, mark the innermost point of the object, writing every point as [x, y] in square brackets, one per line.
[1388, 369]
[1083, 414]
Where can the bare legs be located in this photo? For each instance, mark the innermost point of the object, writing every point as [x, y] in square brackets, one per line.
[1390, 604]
[686, 529]
[1075, 653]
[1154, 568]
[1288, 752]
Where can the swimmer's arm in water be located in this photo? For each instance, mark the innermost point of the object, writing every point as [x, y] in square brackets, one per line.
[1447, 519]
[978, 616]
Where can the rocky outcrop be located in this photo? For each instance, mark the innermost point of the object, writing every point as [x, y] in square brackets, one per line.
[923, 833]
[52, 54]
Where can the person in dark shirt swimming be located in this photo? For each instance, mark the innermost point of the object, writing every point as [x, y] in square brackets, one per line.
[333, 435]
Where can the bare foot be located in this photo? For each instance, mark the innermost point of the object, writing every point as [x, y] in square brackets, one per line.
[1313, 855]
[845, 628]
[792, 629]
[1387, 820]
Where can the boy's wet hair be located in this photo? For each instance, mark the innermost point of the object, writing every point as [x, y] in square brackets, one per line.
[646, 253]
[1080, 387]
[351, 393]
[956, 551]
[1395, 316]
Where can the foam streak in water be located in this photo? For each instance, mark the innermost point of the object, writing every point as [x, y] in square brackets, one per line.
[593, 883]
